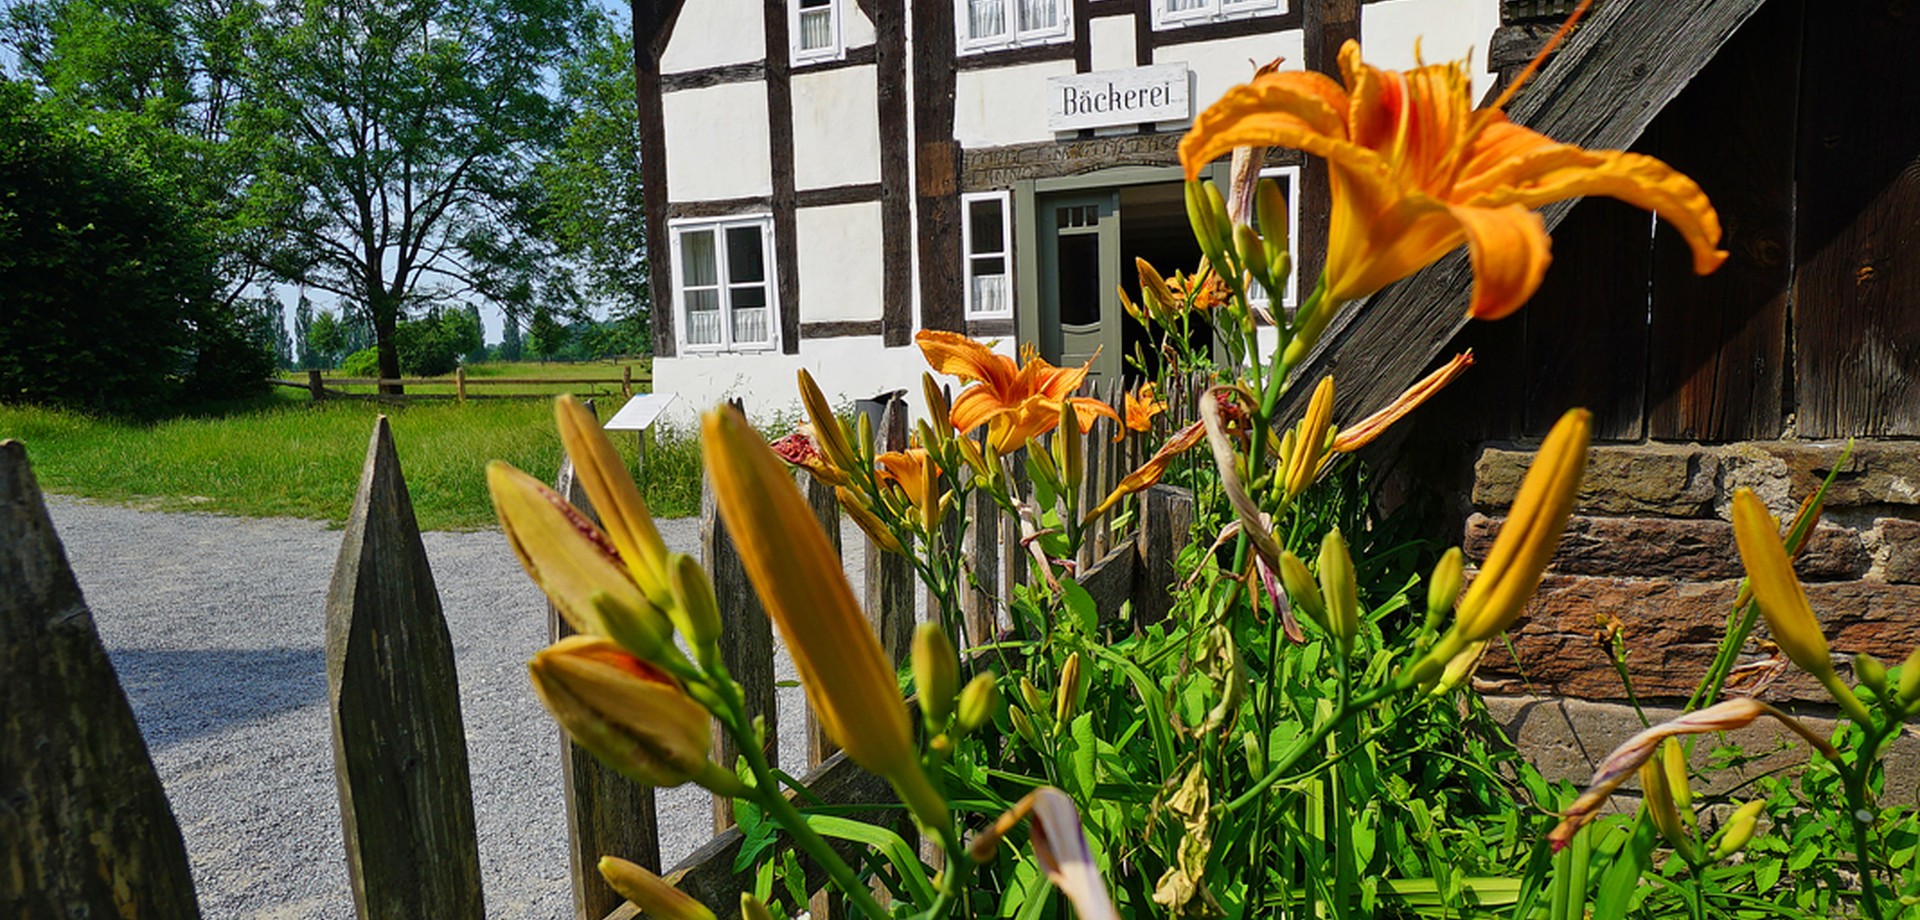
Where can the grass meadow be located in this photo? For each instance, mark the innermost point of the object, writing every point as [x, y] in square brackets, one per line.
[284, 455]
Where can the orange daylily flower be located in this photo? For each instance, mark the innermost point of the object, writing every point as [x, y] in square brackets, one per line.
[1151, 471]
[1364, 431]
[1017, 401]
[1142, 405]
[1415, 171]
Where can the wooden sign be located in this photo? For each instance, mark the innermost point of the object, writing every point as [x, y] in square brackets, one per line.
[1119, 97]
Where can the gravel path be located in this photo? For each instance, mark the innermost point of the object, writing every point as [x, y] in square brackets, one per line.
[215, 625]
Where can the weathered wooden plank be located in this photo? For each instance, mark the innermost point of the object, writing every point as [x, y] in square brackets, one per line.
[981, 600]
[1586, 328]
[748, 649]
[1110, 582]
[890, 583]
[1719, 343]
[85, 829]
[399, 750]
[607, 814]
[1166, 527]
[1857, 286]
[1601, 90]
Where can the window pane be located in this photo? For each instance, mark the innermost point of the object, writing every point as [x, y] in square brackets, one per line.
[703, 317]
[744, 259]
[1079, 282]
[1185, 6]
[990, 294]
[989, 265]
[986, 18]
[751, 326]
[696, 258]
[816, 27]
[748, 297]
[1039, 14]
[987, 232]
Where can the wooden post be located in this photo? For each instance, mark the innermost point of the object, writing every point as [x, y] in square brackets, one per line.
[85, 830]
[890, 581]
[826, 508]
[1166, 527]
[314, 386]
[748, 646]
[607, 814]
[399, 750]
[460, 384]
[626, 381]
[980, 600]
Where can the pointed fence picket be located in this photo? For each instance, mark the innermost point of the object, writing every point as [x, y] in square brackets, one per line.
[400, 757]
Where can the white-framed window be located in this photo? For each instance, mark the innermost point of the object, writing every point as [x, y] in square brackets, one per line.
[723, 284]
[815, 30]
[992, 25]
[987, 236]
[1288, 178]
[1172, 14]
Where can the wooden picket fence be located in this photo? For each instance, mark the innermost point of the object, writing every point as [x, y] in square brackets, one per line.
[88, 831]
[323, 387]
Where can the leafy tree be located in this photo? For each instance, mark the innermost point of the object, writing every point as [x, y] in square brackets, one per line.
[409, 128]
[433, 344]
[510, 338]
[478, 350]
[545, 335]
[307, 357]
[591, 204]
[327, 338]
[107, 294]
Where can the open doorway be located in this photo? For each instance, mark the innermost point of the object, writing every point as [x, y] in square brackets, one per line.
[1154, 227]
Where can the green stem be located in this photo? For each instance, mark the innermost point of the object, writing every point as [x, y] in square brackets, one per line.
[1860, 815]
[1309, 743]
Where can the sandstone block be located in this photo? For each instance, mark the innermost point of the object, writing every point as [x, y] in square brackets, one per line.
[1900, 539]
[1664, 480]
[1878, 472]
[1673, 548]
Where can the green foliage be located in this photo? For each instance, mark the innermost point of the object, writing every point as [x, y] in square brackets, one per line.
[545, 335]
[110, 296]
[362, 363]
[433, 344]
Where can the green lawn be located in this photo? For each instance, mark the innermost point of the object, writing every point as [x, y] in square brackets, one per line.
[287, 456]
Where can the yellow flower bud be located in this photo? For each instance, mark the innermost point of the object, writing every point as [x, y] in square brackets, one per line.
[856, 507]
[936, 674]
[629, 714]
[1443, 588]
[1338, 586]
[1031, 694]
[650, 892]
[1739, 829]
[601, 472]
[1153, 288]
[1072, 689]
[1869, 671]
[978, 702]
[695, 612]
[1270, 209]
[1531, 533]
[1910, 677]
[1661, 807]
[1783, 602]
[1458, 668]
[1253, 254]
[939, 409]
[1310, 440]
[1069, 451]
[1303, 589]
[1200, 215]
[751, 908]
[1023, 727]
[826, 426]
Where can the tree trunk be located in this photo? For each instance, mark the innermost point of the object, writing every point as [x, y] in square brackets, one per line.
[386, 319]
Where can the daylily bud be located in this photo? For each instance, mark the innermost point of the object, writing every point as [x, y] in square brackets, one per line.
[1306, 332]
[1069, 451]
[938, 408]
[1783, 602]
[1443, 588]
[1253, 254]
[624, 513]
[1222, 221]
[644, 631]
[1655, 786]
[1067, 696]
[1126, 303]
[1673, 759]
[1869, 671]
[1458, 668]
[1153, 288]
[1303, 589]
[1310, 440]
[1031, 694]
[970, 453]
[1200, 215]
[1338, 587]
[1270, 208]
[650, 892]
[826, 426]
[1023, 727]
[567, 556]
[1256, 759]
[1040, 464]
[936, 674]
[978, 702]
[752, 909]
[1739, 829]
[695, 612]
[628, 713]
[856, 508]
[1910, 677]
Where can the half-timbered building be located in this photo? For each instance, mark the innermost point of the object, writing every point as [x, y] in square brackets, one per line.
[827, 177]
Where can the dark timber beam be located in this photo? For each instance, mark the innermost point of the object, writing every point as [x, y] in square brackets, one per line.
[652, 25]
[1615, 74]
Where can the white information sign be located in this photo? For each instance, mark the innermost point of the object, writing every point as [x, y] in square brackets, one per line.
[640, 412]
[1119, 97]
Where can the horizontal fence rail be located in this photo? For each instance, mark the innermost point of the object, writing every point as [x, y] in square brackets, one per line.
[321, 386]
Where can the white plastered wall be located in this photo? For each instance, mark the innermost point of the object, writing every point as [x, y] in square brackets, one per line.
[715, 33]
[855, 28]
[850, 368]
[1225, 63]
[717, 144]
[836, 128]
[1110, 40]
[997, 106]
[839, 264]
[1447, 30]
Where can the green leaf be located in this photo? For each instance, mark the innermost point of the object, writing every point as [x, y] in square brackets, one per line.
[889, 844]
[1080, 606]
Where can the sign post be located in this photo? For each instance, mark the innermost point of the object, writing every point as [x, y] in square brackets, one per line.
[638, 416]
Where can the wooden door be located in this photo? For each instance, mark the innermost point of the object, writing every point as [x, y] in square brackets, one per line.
[1079, 263]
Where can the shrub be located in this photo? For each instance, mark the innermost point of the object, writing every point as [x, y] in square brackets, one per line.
[362, 363]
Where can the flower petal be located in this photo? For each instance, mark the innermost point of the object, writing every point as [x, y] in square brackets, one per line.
[959, 356]
[1298, 108]
[1563, 171]
[1510, 252]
